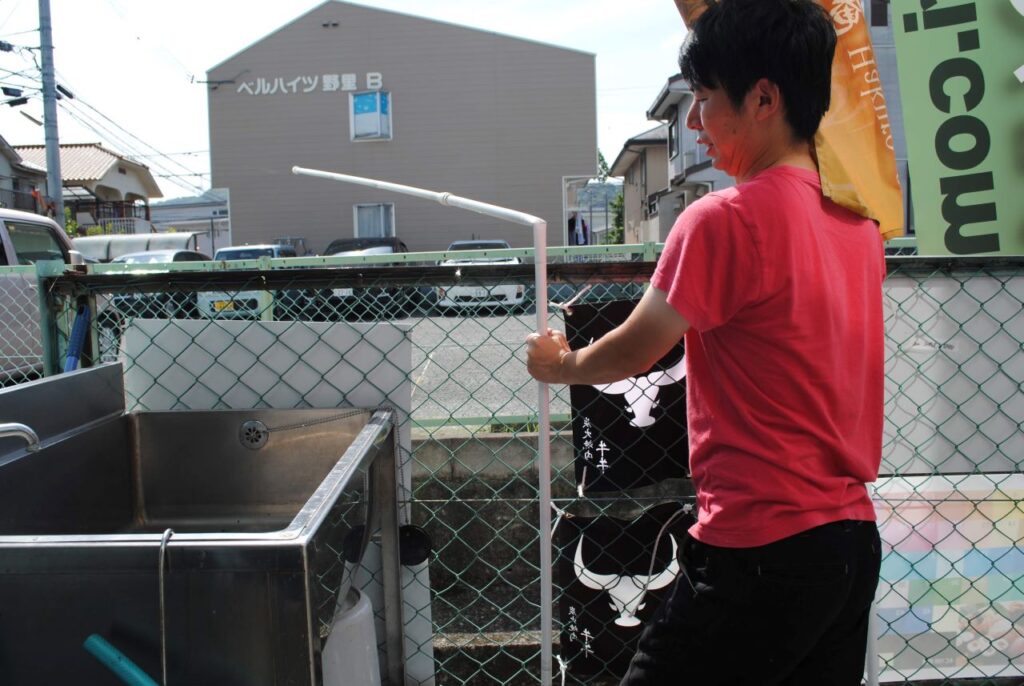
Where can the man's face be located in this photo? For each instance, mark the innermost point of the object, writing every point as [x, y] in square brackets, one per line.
[729, 133]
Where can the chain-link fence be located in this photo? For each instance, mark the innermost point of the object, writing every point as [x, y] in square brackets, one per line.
[21, 347]
[951, 601]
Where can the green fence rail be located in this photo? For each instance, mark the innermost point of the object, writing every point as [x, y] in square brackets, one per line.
[950, 607]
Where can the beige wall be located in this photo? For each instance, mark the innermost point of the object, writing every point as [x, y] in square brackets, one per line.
[123, 184]
[476, 114]
[6, 173]
[636, 188]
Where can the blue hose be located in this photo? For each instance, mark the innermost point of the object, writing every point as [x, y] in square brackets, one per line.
[77, 339]
[117, 662]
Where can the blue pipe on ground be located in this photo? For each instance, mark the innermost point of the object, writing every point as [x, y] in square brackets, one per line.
[117, 662]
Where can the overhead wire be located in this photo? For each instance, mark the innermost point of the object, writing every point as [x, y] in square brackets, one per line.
[126, 146]
[156, 151]
[14, 8]
[124, 140]
[122, 144]
[159, 45]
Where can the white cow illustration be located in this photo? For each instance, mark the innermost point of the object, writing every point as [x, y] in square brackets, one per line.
[641, 392]
[627, 592]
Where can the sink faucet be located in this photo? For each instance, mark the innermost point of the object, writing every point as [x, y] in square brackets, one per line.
[15, 429]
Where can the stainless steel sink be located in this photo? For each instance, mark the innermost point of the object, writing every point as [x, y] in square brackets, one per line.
[259, 516]
[190, 471]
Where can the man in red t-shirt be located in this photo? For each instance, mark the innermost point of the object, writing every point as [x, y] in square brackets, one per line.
[778, 292]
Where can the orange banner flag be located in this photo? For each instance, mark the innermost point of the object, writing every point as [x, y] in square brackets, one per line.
[854, 146]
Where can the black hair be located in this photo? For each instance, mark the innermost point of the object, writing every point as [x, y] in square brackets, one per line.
[734, 43]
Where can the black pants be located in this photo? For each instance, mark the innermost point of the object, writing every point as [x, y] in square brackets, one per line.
[792, 612]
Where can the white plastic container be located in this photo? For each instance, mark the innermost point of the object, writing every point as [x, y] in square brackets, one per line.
[350, 655]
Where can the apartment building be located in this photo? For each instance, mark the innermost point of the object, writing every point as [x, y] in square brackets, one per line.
[404, 99]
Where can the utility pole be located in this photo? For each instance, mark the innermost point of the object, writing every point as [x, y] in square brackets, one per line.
[54, 187]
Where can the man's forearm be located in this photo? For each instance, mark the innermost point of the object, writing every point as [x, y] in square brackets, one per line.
[631, 348]
[608, 359]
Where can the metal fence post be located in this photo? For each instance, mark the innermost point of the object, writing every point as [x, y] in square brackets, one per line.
[47, 320]
[650, 252]
[266, 298]
[387, 494]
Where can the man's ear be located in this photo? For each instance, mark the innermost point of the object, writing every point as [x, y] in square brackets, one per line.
[766, 98]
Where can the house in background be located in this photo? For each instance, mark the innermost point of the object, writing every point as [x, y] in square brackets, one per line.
[101, 187]
[208, 216]
[689, 171]
[664, 169]
[18, 180]
[643, 166]
[690, 174]
[390, 96]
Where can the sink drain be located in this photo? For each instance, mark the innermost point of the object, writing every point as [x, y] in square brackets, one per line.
[253, 434]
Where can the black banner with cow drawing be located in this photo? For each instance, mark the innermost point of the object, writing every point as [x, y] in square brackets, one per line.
[611, 586]
[631, 433]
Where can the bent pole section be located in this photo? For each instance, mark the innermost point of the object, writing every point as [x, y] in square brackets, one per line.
[540, 263]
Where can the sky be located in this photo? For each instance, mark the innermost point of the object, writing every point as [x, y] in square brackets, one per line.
[136, 66]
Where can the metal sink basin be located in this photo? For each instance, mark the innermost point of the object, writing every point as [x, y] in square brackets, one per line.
[258, 518]
[213, 471]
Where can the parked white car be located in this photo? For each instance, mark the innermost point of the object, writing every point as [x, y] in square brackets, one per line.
[174, 304]
[247, 304]
[504, 296]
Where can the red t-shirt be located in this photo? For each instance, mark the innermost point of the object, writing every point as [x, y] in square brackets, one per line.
[784, 357]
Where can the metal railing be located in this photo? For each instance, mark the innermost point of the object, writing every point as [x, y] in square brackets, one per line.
[17, 200]
[950, 606]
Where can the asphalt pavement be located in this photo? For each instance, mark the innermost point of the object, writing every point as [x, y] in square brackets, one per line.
[468, 367]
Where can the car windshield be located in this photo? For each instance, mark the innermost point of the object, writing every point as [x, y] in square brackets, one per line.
[243, 253]
[478, 245]
[145, 258]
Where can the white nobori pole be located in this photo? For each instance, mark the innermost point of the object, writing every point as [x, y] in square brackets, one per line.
[543, 399]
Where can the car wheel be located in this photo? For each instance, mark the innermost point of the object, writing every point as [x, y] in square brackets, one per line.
[286, 314]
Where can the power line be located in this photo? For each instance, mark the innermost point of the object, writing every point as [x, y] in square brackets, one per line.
[24, 73]
[91, 123]
[21, 33]
[123, 143]
[107, 129]
[14, 8]
[160, 46]
[158, 153]
[176, 176]
[184, 152]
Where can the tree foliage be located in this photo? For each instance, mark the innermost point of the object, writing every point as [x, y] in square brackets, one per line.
[602, 167]
[617, 232]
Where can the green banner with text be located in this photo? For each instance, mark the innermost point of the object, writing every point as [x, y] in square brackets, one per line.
[961, 69]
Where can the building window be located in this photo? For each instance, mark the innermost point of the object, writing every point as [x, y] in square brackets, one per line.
[673, 137]
[371, 116]
[879, 12]
[374, 220]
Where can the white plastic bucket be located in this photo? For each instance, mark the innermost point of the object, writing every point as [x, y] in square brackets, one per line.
[351, 648]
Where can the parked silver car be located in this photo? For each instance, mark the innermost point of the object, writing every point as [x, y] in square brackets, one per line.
[507, 297]
[288, 304]
[388, 301]
[176, 304]
[25, 239]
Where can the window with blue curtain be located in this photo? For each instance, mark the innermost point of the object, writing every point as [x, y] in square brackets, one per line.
[371, 115]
